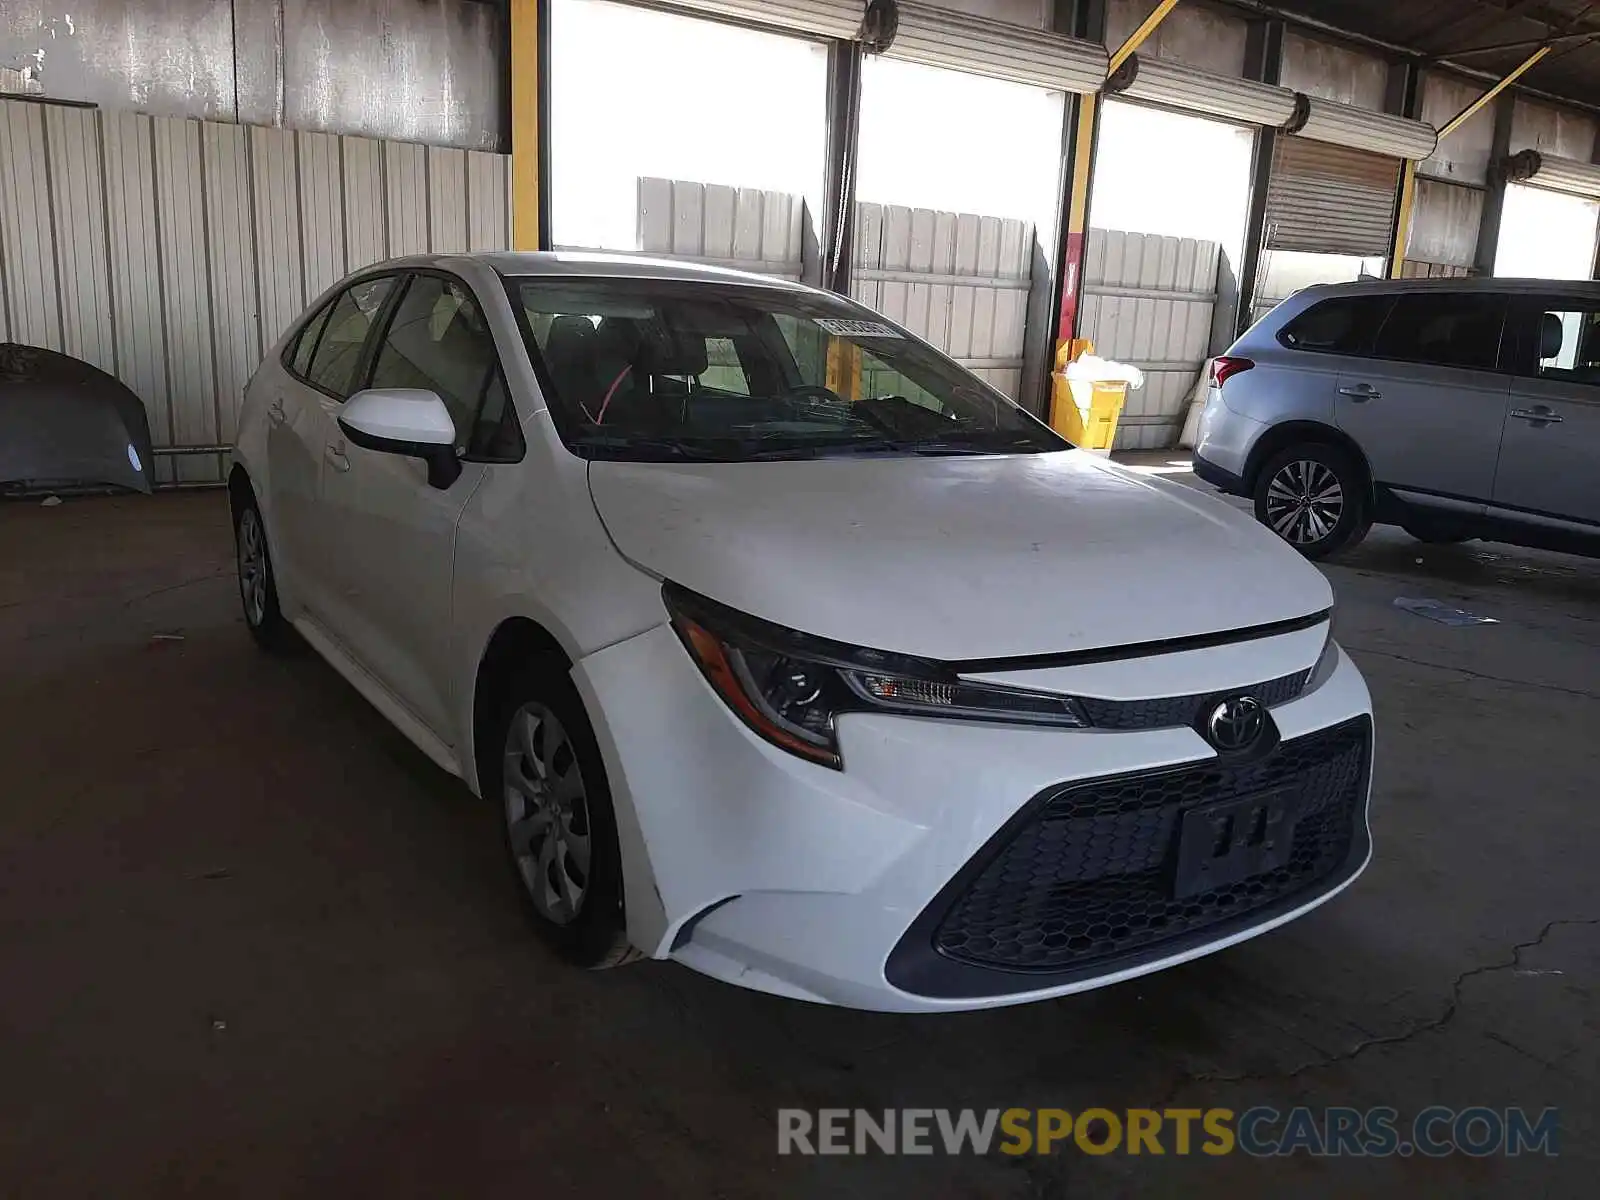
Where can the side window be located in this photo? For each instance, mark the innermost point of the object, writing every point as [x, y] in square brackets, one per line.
[1342, 325]
[309, 334]
[1566, 337]
[1459, 329]
[333, 364]
[807, 343]
[497, 434]
[724, 369]
[439, 341]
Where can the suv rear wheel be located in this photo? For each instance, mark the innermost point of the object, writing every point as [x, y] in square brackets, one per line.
[1314, 497]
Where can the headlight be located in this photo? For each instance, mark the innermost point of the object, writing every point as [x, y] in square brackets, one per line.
[1325, 665]
[789, 686]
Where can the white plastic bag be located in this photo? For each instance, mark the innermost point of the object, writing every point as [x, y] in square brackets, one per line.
[1091, 368]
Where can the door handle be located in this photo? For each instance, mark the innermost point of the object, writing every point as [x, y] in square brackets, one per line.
[1538, 415]
[1360, 392]
[336, 458]
[275, 413]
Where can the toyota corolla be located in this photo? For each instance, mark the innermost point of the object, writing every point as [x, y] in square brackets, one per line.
[787, 648]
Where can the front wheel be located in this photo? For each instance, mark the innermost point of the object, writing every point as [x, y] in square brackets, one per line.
[1313, 496]
[545, 772]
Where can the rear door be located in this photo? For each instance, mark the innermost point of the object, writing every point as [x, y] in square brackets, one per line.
[293, 457]
[1428, 407]
[1550, 458]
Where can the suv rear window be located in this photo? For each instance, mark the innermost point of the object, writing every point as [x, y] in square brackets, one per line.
[1343, 325]
[1447, 329]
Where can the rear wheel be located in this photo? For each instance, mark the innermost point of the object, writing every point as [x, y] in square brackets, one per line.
[258, 587]
[544, 770]
[1314, 497]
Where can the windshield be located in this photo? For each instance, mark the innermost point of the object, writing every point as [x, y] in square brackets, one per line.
[659, 370]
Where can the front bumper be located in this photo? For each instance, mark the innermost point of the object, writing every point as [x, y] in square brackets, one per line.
[750, 865]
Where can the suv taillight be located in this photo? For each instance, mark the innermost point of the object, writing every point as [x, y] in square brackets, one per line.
[1225, 368]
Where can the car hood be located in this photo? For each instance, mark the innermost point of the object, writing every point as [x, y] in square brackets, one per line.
[957, 558]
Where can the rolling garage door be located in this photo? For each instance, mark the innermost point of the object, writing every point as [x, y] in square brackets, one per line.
[937, 37]
[818, 18]
[1336, 170]
[932, 36]
[1335, 180]
[1328, 199]
[1174, 85]
[1555, 174]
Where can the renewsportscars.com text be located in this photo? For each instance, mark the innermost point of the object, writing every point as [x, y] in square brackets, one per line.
[1261, 1131]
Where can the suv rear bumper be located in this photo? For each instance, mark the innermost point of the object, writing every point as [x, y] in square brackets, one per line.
[1218, 477]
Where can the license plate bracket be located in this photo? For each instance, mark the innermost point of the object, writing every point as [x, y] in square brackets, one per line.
[1219, 844]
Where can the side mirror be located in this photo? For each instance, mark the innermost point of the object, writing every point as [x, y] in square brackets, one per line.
[408, 421]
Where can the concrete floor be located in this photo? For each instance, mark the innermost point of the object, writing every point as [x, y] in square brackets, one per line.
[253, 944]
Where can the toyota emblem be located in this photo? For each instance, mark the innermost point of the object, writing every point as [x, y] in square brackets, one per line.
[1236, 723]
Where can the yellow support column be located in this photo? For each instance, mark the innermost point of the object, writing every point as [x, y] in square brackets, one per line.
[527, 127]
[1079, 178]
[1402, 217]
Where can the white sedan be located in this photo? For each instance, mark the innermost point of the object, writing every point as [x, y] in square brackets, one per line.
[790, 650]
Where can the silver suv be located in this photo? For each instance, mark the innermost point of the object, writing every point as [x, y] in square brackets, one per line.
[1456, 408]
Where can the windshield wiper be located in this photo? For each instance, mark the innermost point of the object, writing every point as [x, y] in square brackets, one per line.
[827, 449]
[649, 449]
[1012, 445]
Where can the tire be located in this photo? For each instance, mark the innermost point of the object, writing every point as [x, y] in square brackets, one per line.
[258, 585]
[541, 766]
[1436, 537]
[1314, 496]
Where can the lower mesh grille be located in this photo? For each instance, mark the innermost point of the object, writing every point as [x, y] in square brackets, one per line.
[1089, 875]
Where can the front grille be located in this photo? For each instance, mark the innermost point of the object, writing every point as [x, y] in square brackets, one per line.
[1087, 875]
[1172, 711]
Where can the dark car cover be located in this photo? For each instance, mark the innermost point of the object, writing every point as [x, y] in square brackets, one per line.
[66, 423]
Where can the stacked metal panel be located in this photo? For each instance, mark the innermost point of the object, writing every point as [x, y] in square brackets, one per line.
[173, 253]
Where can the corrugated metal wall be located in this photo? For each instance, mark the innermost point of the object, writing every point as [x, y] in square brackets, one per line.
[172, 253]
[423, 70]
[745, 228]
[1148, 300]
[958, 280]
[1414, 269]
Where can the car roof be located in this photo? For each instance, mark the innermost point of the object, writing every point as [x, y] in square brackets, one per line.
[1582, 287]
[589, 264]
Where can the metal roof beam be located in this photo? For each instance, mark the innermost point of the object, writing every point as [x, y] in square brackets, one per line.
[1300, 21]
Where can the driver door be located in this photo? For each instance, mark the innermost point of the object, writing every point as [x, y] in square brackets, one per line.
[394, 534]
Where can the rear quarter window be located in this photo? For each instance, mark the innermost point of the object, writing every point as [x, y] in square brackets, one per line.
[1341, 325]
[1447, 329]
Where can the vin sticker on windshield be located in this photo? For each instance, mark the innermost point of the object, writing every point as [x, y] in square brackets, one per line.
[846, 328]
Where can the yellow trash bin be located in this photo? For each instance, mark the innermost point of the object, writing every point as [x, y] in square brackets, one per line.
[1086, 413]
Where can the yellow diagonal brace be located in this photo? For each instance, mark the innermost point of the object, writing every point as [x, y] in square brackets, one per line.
[1467, 113]
[1138, 36]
